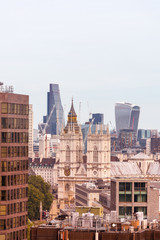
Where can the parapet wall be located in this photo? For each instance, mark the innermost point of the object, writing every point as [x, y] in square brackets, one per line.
[50, 233]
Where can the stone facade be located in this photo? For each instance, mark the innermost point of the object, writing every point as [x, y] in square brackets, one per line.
[72, 169]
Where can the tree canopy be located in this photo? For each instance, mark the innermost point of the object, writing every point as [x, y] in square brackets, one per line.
[38, 190]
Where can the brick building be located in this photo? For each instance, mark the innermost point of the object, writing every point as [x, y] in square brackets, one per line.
[13, 165]
[134, 195]
[155, 145]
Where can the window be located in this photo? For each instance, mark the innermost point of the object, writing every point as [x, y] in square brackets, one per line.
[95, 154]
[77, 154]
[67, 154]
[3, 152]
[140, 192]
[2, 195]
[4, 122]
[123, 211]
[4, 108]
[2, 224]
[125, 192]
[3, 166]
[67, 187]
[4, 137]
[2, 210]
[4, 181]
[139, 186]
[141, 209]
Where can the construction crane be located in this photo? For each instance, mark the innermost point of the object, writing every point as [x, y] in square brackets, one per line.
[85, 139]
[43, 139]
[43, 130]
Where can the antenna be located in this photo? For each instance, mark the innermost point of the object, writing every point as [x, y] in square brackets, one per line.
[79, 112]
[89, 110]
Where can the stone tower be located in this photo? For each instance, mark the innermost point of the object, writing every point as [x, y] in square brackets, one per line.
[71, 168]
[98, 154]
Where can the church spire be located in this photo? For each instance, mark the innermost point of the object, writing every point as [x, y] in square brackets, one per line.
[72, 124]
[72, 116]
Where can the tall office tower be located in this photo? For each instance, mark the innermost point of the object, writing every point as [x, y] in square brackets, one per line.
[127, 116]
[14, 110]
[57, 117]
[30, 140]
[98, 118]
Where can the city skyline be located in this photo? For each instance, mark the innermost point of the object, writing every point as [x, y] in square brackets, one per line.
[99, 52]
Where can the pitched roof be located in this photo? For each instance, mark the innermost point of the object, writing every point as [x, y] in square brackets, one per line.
[140, 156]
[154, 169]
[124, 169]
[46, 162]
[72, 111]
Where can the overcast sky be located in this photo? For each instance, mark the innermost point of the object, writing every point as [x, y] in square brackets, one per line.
[98, 51]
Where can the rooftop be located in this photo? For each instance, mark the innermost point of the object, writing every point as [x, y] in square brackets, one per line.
[124, 169]
[140, 156]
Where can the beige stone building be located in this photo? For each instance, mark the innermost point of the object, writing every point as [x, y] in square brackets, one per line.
[143, 161]
[72, 168]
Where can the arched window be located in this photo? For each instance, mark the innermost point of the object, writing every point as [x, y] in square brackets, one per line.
[105, 151]
[77, 154]
[95, 154]
[67, 187]
[67, 154]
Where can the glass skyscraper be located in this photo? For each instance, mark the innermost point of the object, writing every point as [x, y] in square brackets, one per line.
[98, 118]
[57, 118]
[127, 116]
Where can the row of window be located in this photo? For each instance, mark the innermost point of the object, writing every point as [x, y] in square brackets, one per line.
[13, 194]
[14, 151]
[138, 197]
[13, 208]
[18, 235]
[13, 222]
[123, 211]
[13, 180]
[9, 166]
[14, 137]
[13, 108]
[81, 193]
[78, 154]
[127, 186]
[14, 123]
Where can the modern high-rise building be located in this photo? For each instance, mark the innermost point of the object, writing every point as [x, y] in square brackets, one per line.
[14, 111]
[57, 118]
[98, 118]
[126, 116]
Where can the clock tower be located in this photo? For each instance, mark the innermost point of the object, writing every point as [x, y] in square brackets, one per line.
[71, 168]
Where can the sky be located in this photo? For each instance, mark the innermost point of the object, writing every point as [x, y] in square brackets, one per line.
[99, 52]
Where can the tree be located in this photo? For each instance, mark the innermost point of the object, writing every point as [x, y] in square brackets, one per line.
[38, 190]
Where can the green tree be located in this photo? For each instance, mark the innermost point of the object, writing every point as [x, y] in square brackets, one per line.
[38, 190]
